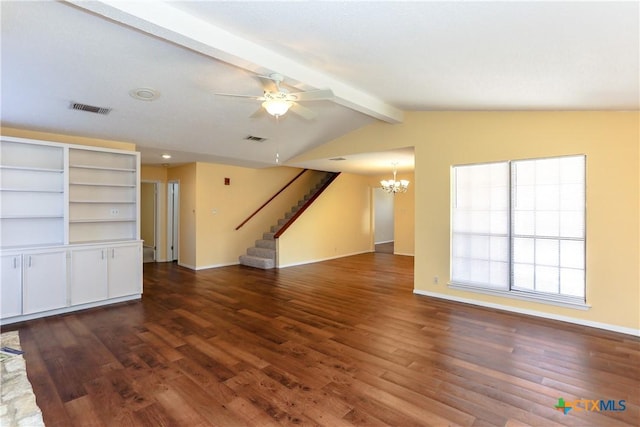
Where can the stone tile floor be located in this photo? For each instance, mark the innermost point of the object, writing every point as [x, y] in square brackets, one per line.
[18, 403]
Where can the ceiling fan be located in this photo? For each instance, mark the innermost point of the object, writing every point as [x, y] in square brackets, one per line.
[277, 100]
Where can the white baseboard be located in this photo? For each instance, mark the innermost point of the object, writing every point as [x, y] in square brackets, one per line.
[190, 267]
[384, 241]
[323, 259]
[598, 325]
[206, 267]
[403, 254]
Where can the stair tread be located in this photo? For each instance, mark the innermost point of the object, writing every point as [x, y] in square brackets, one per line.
[257, 262]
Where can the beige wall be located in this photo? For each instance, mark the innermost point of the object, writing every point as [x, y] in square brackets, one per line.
[186, 176]
[337, 224]
[68, 139]
[158, 174]
[610, 141]
[221, 208]
[147, 213]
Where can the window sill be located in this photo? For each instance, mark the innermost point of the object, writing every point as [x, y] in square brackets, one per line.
[523, 296]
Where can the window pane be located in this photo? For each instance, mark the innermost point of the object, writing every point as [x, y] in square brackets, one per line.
[572, 254]
[547, 252]
[572, 282]
[480, 224]
[572, 197]
[547, 279]
[523, 250]
[479, 247]
[548, 197]
[499, 274]
[525, 198]
[499, 248]
[572, 224]
[549, 205]
[523, 276]
[547, 223]
[523, 223]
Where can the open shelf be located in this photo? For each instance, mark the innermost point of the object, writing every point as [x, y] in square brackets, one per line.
[102, 168]
[31, 169]
[30, 190]
[78, 221]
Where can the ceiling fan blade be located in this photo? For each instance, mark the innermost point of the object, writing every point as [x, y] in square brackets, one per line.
[312, 95]
[303, 111]
[259, 98]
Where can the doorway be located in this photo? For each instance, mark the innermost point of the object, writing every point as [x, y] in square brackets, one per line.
[383, 221]
[173, 220]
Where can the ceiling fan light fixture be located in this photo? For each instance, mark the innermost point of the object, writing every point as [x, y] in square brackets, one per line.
[277, 107]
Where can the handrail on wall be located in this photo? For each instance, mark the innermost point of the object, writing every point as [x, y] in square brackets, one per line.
[270, 199]
[305, 206]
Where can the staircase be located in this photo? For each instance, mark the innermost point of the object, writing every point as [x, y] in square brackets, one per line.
[263, 254]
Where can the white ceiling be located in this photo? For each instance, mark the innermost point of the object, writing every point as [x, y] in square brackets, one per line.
[379, 58]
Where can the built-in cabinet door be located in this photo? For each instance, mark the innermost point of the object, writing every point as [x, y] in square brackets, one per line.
[11, 286]
[44, 281]
[88, 275]
[125, 270]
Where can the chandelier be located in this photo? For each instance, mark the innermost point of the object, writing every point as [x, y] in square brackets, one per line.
[394, 186]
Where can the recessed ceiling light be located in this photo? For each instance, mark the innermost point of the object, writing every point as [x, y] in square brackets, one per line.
[144, 94]
[166, 156]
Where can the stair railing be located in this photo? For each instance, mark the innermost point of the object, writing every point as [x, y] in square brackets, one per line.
[305, 206]
[270, 199]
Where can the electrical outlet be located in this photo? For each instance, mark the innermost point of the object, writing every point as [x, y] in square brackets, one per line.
[435, 280]
[115, 212]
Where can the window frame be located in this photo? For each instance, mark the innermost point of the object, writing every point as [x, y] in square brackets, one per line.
[511, 291]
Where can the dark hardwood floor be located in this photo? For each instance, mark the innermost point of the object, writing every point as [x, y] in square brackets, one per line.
[342, 342]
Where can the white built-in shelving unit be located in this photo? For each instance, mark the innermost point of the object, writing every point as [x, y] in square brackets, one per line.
[31, 194]
[69, 227]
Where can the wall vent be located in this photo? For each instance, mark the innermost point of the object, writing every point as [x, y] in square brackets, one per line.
[90, 108]
[255, 138]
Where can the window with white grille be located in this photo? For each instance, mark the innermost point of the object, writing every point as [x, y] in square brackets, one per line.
[519, 227]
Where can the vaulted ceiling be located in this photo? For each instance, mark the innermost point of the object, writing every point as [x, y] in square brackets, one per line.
[378, 58]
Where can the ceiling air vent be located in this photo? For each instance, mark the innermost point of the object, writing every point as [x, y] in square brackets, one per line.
[255, 138]
[90, 108]
[337, 159]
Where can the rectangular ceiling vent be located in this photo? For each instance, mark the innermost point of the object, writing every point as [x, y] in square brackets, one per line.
[90, 108]
[337, 159]
[255, 138]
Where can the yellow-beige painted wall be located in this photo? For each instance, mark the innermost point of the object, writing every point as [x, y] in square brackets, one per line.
[403, 214]
[147, 213]
[337, 224]
[67, 139]
[221, 208]
[610, 140]
[158, 174]
[186, 176]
